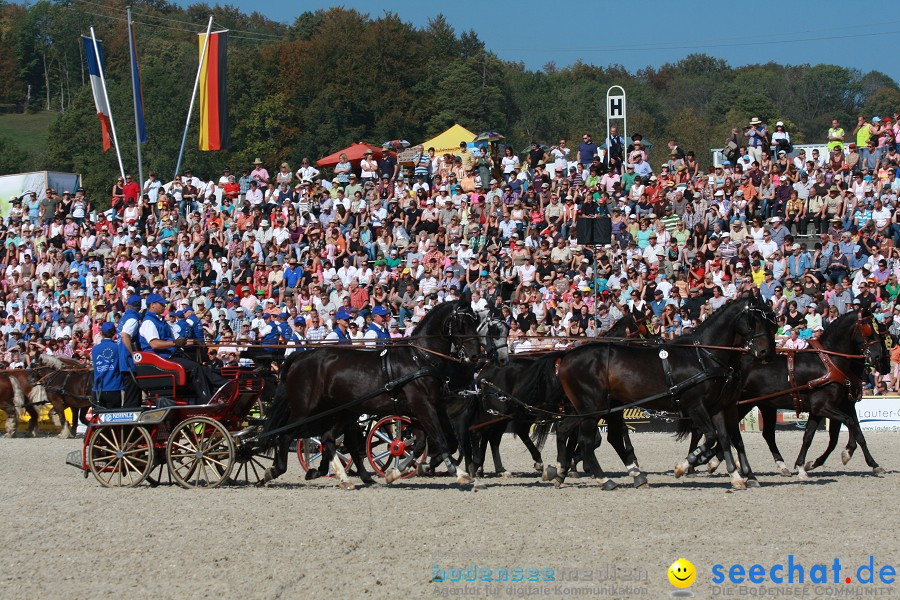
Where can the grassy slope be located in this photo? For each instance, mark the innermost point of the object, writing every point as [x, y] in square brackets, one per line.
[28, 131]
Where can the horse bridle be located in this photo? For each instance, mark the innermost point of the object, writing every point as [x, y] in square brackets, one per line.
[484, 330]
[873, 338]
[750, 310]
[459, 350]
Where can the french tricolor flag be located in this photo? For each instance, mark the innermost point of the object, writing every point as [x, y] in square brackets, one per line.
[95, 66]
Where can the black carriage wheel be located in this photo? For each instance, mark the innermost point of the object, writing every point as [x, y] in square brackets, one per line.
[200, 453]
[120, 456]
[250, 466]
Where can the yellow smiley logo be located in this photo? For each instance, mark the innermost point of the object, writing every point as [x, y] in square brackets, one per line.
[682, 573]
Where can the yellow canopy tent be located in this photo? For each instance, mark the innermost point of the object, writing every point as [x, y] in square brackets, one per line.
[448, 142]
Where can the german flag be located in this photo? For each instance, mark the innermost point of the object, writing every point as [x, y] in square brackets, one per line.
[213, 93]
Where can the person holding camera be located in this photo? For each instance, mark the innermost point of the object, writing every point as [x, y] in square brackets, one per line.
[756, 139]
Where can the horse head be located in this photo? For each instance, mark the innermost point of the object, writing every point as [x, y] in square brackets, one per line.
[868, 336]
[757, 326]
[493, 331]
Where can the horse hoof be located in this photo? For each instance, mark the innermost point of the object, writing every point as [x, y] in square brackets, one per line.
[802, 475]
[739, 484]
[557, 482]
[574, 474]
[752, 483]
[879, 470]
[504, 474]
[640, 482]
[392, 476]
[712, 465]
[785, 472]
[422, 470]
[477, 484]
[346, 485]
[539, 467]
[845, 456]
[609, 485]
[463, 478]
[550, 474]
[312, 474]
[682, 468]
[809, 466]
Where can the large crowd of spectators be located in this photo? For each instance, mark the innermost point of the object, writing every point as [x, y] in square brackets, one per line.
[816, 234]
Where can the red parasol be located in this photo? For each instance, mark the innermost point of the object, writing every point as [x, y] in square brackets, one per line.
[355, 153]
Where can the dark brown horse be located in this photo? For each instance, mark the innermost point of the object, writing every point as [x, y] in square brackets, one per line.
[694, 375]
[331, 387]
[826, 384]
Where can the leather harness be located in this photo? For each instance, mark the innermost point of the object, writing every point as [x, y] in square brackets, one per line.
[833, 374]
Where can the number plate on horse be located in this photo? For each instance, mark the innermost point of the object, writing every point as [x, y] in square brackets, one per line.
[119, 417]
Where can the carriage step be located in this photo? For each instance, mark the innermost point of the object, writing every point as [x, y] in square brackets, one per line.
[74, 458]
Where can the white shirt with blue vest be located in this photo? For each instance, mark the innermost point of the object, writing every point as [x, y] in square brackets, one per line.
[129, 324]
[375, 332]
[154, 328]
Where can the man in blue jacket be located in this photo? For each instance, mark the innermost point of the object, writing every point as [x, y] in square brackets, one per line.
[108, 382]
[156, 336]
[129, 343]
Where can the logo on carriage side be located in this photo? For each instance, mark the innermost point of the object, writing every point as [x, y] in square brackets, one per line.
[664, 354]
[137, 356]
[119, 417]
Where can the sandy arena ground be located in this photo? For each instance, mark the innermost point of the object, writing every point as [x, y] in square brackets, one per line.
[67, 537]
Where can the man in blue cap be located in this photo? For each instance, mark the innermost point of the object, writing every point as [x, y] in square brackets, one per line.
[269, 333]
[297, 337]
[180, 328]
[340, 334]
[129, 343]
[377, 329]
[284, 327]
[157, 337]
[108, 381]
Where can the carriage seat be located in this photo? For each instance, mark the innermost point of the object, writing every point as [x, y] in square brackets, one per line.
[158, 376]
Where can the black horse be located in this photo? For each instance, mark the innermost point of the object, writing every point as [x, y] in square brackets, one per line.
[329, 388]
[854, 341]
[693, 375]
[508, 394]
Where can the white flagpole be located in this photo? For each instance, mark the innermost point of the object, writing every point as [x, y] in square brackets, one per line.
[193, 96]
[137, 126]
[112, 125]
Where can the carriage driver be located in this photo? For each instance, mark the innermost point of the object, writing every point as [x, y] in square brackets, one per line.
[156, 336]
[339, 334]
[128, 344]
[378, 327]
[108, 382]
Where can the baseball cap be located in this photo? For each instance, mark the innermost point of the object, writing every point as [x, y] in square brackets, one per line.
[380, 310]
[108, 328]
[156, 298]
[299, 321]
[134, 299]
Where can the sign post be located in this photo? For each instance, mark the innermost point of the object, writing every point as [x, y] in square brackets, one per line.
[615, 110]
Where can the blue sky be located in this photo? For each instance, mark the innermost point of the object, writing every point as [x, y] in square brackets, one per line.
[863, 35]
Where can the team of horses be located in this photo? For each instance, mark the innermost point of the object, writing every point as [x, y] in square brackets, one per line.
[463, 393]
[454, 377]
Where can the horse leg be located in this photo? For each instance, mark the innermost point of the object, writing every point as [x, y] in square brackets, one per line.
[521, 428]
[705, 451]
[719, 420]
[808, 434]
[770, 416]
[428, 418]
[32, 420]
[495, 439]
[852, 422]
[279, 466]
[617, 435]
[834, 431]
[734, 433]
[12, 424]
[558, 473]
[587, 439]
[353, 438]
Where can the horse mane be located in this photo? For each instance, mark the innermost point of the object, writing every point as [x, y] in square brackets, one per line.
[437, 314]
[836, 327]
[52, 361]
[716, 315]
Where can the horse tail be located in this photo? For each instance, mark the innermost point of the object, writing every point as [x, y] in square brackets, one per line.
[18, 396]
[685, 429]
[540, 432]
[38, 396]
